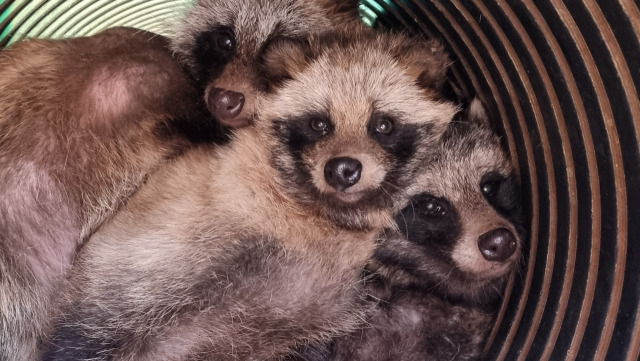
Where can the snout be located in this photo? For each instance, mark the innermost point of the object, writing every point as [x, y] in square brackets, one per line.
[342, 172]
[225, 105]
[497, 245]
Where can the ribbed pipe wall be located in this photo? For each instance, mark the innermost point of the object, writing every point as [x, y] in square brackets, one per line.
[561, 79]
[63, 18]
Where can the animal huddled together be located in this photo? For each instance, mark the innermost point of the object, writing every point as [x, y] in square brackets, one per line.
[273, 182]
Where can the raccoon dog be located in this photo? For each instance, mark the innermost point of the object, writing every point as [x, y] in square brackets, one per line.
[222, 43]
[241, 252]
[438, 280]
[82, 121]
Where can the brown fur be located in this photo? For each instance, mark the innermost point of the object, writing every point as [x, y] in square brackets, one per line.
[241, 252]
[429, 302]
[82, 122]
[253, 24]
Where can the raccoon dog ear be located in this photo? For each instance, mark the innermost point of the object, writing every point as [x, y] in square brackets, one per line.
[426, 61]
[473, 112]
[284, 58]
[477, 113]
[342, 11]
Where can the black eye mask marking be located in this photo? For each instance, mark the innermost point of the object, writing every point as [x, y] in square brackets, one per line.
[212, 51]
[300, 132]
[397, 139]
[503, 193]
[429, 220]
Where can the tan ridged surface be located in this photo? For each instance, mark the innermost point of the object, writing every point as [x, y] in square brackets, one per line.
[634, 15]
[571, 187]
[594, 73]
[595, 201]
[554, 71]
[621, 191]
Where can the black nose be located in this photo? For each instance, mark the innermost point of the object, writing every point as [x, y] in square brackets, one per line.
[497, 245]
[225, 104]
[343, 172]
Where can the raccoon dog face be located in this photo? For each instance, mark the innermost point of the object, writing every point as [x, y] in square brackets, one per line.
[356, 116]
[222, 44]
[462, 230]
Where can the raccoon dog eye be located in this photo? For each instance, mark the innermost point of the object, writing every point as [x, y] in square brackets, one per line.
[433, 208]
[224, 40]
[384, 126]
[490, 187]
[320, 125]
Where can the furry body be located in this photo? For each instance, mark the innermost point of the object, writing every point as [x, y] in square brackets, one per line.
[244, 251]
[434, 293]
[82, 122]
[223, 43]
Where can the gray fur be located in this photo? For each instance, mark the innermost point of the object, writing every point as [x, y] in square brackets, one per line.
[255, 24]
[426, 306]
[82, 122]
[219, 257]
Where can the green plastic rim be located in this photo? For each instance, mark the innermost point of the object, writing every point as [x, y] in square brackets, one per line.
[56, 19]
